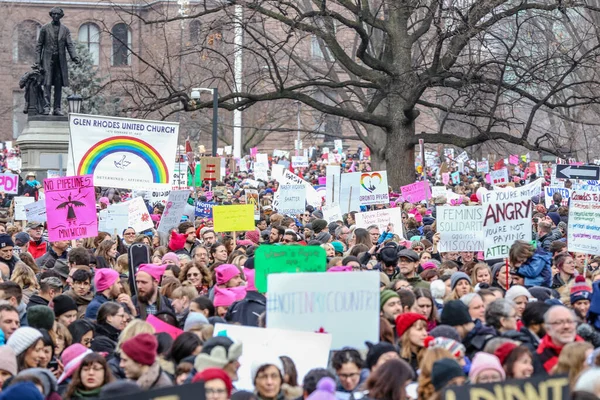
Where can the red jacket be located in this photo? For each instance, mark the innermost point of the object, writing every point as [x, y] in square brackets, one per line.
[37, 249]
[549, 352]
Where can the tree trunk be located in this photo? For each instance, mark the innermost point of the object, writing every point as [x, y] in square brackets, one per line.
[400, 156]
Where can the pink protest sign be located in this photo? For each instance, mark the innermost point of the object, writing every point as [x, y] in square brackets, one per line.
[416, 192]
[322, 180]
[445, 178]
[71, 207]
[9, 183]
[253, 151]
[513, 159]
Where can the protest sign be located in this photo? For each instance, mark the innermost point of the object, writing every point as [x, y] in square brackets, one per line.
[549, 192]
[281, 153]
[139, 218]
[499, 177]
[174, 209]
[326, 302]
[253, 199]
[350, 192]
[455, 177]
[71, 207]
[36, 212]
[445, 178]
[583, 233]
[52, 173]
[332, 213]
[460, 228]
[483, 166]
[299, 162]
[210, 169]
[381, 218]
[437, 191]
[286, 259]
[332, 184]
[179, 179]
[535, 387]
[289, 178]
[308, 349]
[374, 188]
[416, 192]
[117, 218]
[102, 218]
[123, 152]
[277, 172]
[9, 183]
[14, 163]
[292, 199]
[158, 196]
[233, 218]
[462, 157]
[204, 209]
[20, 203]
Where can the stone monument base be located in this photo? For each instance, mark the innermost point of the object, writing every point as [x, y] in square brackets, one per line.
[44, 145]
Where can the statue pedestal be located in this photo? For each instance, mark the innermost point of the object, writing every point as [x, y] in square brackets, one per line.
[44, 144]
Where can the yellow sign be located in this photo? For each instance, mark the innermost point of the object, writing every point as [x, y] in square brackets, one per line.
[234, 218]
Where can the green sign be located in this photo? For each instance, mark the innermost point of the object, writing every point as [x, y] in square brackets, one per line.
[287, 259]
[197, 173]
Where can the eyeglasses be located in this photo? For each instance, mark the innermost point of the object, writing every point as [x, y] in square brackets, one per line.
[193, 274]
[562, 322]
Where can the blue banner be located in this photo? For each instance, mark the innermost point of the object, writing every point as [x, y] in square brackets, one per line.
[204, 209]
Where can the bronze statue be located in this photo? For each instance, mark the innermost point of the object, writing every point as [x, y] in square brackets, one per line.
[33, 83]
[51, 52]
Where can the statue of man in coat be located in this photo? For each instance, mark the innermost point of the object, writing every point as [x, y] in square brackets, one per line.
[51, 53]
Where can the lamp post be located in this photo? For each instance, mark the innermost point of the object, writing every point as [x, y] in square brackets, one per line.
[195, 95]
[75, 101]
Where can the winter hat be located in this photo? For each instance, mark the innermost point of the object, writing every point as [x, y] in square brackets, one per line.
[455, 313]
[445, 331]
[517, 291]
[104, 278]
[377, 350]
[23, 338]
[384, 280]
[49, 382]
[217, 352]
[223, 297]
[6, 240]
[438, 289]
[253, 236]
[40, 317]
[250, 275]
[63, 304]
[412, 255]
[21, 391]
[258, 364]
[389, 255]
[325, 390]
[318, 225]
[483, 362]
[340, 268]
[455, 348]
[119, 388]
[338, 246]
[194, 319]
[170, 257]
[22, 238]
[504, 351]
[62, 268]
[457, 277]
[555, 217]
[406, 320]
[8, 360]
[155, 271]
[385, 296]
[104, 200]
[214, 373]
[177, 241]
[580, 290]
[443, 371]
[102, 344]
[542, 293]
[141, 348]
[428, 265]
[225, 272]
[71, 358]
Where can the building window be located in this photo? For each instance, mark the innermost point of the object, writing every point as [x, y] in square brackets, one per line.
[89, 35]
[24, 42]
[195, 28]
[121, 45]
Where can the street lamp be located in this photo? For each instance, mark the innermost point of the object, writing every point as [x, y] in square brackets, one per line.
[195, 95]
[75, 101]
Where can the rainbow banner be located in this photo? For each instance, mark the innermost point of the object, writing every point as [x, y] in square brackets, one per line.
[123, 153]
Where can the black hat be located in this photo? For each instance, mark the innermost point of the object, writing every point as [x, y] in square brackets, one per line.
[63, 304]
[61, 268]
[445, 331]
[455, 313]
[443, 371]
[39, 317]
[6, 240]
[389, 255]
[377, 350]
[410, 254]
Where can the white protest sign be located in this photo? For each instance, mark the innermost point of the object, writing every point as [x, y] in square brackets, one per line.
[36, 212]
[51, 173]
[9, 183]
[549, 192]
[289, 178]
[583, 233]
[228, 150]
[123, 152]
[281, 153]
[381, 218]
[460, 228]
[174, 210]
[14, 163]
[332, 213]
[179, 180]
[102, 218]
[350, 192]
[308, 350]
[374, 188]
[299, 162]
[437, 191]
[326, 302]
[157, 196]
[462, 157]
[20, 202]
[332, 184]
[261, 171]
[262, 158]
[337, 143]
[499, 177]
[483, 166]
[292, 199]
[277, 172]
[117, 218]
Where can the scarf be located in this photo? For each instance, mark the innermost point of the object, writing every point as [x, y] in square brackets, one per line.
[88, 393]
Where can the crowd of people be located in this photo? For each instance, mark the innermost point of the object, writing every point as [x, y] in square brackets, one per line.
[78, 322]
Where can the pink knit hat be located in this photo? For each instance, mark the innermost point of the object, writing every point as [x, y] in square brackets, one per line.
[155, 271]
[250, 280]
[428, 265]
[71, 359]
[346, 268]
[253, 236]
[177, 241]
[226, 297]
[483, 362]
[170, 257]
[105, 278]
[225, 272]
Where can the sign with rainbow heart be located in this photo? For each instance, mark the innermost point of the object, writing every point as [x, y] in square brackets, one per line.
[124, 153]
[374, 188]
